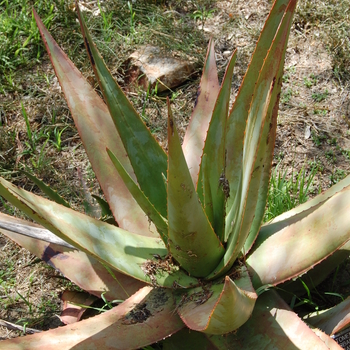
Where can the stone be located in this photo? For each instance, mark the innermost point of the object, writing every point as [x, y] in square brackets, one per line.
[149, 65]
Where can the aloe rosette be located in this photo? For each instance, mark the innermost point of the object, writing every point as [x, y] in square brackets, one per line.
[188, 254]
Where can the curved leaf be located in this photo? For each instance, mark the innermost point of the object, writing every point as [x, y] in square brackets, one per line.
[221, 308]
[315, 276]
[296, 244]
[127, 252]
[314, 201]
[333, 320]
[196, 132]
[192, 241]
[148, 159]
[97, 132]
[273, 326]
[74, 305]
[147, 314]
[82, 269]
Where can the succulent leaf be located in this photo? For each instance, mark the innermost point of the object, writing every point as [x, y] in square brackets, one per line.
[148, 159]
[205, 200]
[97, 132]
[196, 132]
[313, 277]
[333, 320]
[82, 269]
[74, 305]
[149, 312]
[213, 175]
[237, 120]
[273, 326]
[243, 221]
[192, 241]
[296, 244]
[119, 249]
[141, 199]
[220, 308]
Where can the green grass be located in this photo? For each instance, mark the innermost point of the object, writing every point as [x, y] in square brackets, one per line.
[287, 192]
[20, 42]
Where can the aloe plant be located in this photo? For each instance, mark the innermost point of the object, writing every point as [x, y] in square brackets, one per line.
[187, 254]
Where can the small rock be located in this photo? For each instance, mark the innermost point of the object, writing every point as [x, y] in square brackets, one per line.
[149, 65]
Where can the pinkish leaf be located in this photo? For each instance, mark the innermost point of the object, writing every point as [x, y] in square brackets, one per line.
[273, 326]
[333, 320]
[97, 131]
[211, 181]
[82, 269]
[294, 245]
[73, 306]
[145, 318]
[196, 132]
[220, 308]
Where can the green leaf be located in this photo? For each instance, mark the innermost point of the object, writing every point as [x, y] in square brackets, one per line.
[236, 123]
[244, 219]
[316, 275]
[322, 270]
[104, 206]
[148, 159]
[221, 308]
[196, 132]
[82, 269]
[299, 242]
[273, 326]
[97, 132]
[141, 199]
[192, 241]
[124, 251]
[149, 310]
[214, 197]
[333, 320]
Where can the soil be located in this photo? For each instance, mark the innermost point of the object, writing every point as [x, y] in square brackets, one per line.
[313, 130]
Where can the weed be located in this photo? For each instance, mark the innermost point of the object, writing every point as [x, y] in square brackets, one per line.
[330, 156]
[320, 96]
[310, 81]
[337, 175]
[320, 112]
[57, 134]
[286, 96]
[34, 137]
[132, 18]
[318, 138]
[202, 14]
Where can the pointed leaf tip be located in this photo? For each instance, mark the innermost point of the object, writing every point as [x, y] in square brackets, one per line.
[192, 240]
